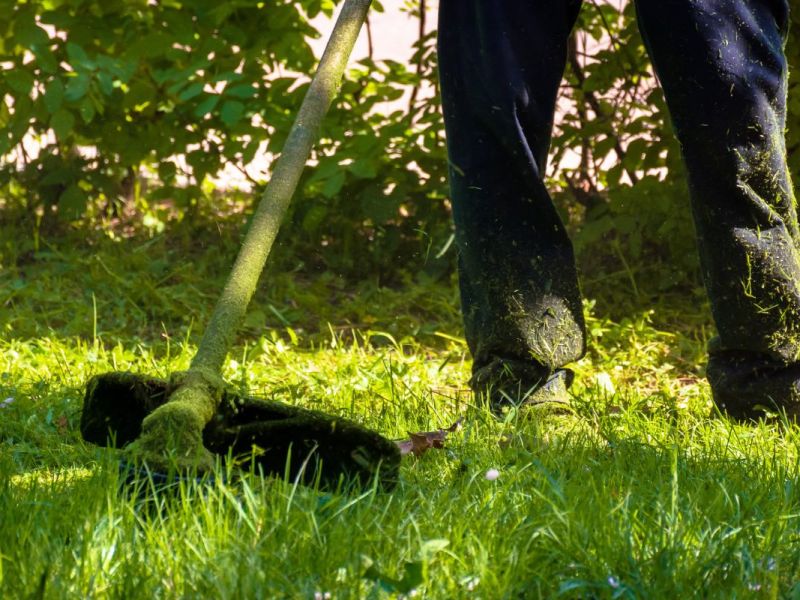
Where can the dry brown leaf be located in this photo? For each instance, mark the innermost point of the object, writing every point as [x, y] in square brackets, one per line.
[419, 443]
[62, 424]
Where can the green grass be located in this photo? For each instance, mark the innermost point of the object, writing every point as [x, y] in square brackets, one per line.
[640, 494]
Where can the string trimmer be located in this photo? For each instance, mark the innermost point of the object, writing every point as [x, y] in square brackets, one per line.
[167, 422]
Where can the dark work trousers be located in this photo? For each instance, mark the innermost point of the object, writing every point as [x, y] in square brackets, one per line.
[723, 70]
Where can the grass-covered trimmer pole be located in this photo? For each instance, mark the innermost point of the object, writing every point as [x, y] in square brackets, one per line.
[172, 434]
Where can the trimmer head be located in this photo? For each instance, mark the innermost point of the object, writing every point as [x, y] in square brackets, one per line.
[264, 434]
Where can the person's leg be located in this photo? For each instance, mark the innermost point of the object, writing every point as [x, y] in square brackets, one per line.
[501, 62]
[722, 66]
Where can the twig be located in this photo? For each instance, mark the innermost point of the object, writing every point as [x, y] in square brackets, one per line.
[594, 103]
[420, 55]
[370, 47]
[244, 172]
[614, 39]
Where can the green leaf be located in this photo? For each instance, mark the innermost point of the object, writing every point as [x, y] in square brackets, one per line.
[139, 93]
[231, 112]
[54, 96]
[249, 151]
[431, 547]
[114, 66]
[62, 123]
[5, 115]
[202, 163]
[20, 80]
[45, 59]
[105, 83]
[243, 91]
[604, 146]
[55, 14]
[151, 45]
[377, 206]
[58, 176]
[87, 110]
[29, 34]
[314, 218]
[77, 87]
[192, 91]
[326, 168]
[21, 120]
[206, 106]
[412, 578]
[228, 76]
[181, 26]
[77, 57]
[167, 170]
[72, 203]
[333, 185]
[365, 168]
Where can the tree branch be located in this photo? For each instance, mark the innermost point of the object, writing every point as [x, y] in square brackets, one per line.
[594, 104]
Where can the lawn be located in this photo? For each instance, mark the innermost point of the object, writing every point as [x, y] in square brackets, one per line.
[640, 493]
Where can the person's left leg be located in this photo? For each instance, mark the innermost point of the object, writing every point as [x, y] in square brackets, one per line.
[722, 66]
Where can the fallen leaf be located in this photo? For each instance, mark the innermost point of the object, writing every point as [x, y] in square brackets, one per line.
[62, 424]
[419, 443]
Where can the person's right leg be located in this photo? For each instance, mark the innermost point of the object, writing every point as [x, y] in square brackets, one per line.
[501, 62]
[722, 66]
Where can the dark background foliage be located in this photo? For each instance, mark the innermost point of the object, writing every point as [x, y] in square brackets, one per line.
[134, 105]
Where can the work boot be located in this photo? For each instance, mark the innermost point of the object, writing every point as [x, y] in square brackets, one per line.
[749, 388]
[505, 387]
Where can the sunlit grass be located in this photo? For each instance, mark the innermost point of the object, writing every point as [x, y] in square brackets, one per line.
[638, 494]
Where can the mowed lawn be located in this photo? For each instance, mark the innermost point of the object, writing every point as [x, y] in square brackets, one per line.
[640, 493]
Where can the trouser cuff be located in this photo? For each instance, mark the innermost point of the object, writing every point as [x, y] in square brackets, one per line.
[745, 386]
